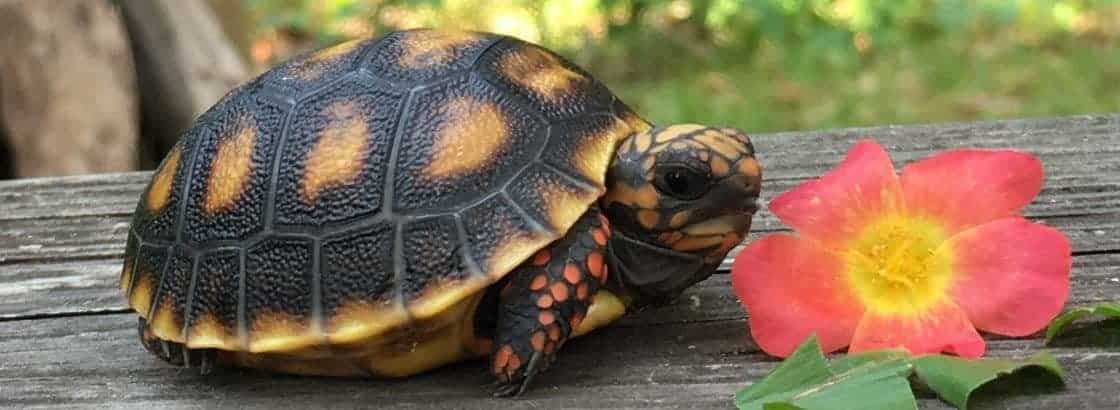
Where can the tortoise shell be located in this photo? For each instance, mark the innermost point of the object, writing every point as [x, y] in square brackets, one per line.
[349, 192]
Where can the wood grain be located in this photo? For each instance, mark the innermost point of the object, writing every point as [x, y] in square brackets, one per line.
[66, 339]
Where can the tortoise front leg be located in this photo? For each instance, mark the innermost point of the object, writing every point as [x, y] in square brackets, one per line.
[545, 299]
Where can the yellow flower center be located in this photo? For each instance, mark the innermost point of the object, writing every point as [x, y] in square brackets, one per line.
[895, 266]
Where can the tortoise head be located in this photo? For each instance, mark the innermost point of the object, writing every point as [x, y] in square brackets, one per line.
[678, 199]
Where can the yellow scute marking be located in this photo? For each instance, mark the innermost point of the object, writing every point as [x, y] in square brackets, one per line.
[338, 156]
[160, 191]
[473, 132]
[126, 275]
[433, 47]
[207, 332]
[606, 307]
[163, 321]
[594, 155]
[564, 207]
[230, 170]
[539, 71]
[358, 320]
[514, 250]
[438, 296]
[635, 122]
[280, 332]
[141, 297]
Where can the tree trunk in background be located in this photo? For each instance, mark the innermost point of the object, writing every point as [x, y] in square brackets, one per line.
[185, 63]
[67, 88]
[237, 23]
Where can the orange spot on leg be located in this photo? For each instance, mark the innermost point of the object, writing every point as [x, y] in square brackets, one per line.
[581, 291]
[538, 340]
[595, 264]
[514, 363]
[572, 274]
[599, 236]
[544, 302]
[546, 317]
[539, 282]
[606, 272]
[503, 356]
[542, 257]
[559, 291]
[554, 333]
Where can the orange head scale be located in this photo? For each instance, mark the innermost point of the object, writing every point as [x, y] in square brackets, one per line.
[678, 198]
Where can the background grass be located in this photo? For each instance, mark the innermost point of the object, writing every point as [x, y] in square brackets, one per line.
[767, 65]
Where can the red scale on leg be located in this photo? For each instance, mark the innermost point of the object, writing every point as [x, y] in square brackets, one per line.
[538, 340]
[539, 282]
[582, 292]
[572, 274]
[546, 317]
[542, 257]
[559, 291]
[544, 302]
[595, 264]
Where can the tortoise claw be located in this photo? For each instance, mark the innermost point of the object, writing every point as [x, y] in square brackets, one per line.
[186, 357]
[207, 362]
[515, 386]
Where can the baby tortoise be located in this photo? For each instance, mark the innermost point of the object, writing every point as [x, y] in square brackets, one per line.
[388, 206]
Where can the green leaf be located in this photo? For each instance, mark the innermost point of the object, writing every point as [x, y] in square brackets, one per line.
[954, 378]
[1108, 310]
[805, 381]
[848, 362]
[806, 366]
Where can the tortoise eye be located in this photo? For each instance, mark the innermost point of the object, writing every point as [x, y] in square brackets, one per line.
[680, 182]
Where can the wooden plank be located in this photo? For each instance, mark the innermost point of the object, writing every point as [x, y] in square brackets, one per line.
[61, 242]
[1079, 180]
[83, 287]
[98, 362]
[50, 227]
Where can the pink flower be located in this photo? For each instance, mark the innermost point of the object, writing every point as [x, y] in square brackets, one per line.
[918, 262]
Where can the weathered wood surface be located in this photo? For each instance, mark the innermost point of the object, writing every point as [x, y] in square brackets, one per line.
[67, 340]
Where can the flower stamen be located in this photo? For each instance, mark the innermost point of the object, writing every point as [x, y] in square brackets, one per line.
[895, 267]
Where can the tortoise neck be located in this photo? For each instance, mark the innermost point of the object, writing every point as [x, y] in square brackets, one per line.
[651, 274]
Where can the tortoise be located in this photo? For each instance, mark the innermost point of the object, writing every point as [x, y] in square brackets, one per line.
[390, 205]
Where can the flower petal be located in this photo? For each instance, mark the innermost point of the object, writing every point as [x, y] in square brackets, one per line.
[793, 288]
[836, 206]
[944, 328]
[965, 188]
[1013, 275]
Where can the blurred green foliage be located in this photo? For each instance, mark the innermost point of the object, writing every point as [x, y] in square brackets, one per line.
[769, 65]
